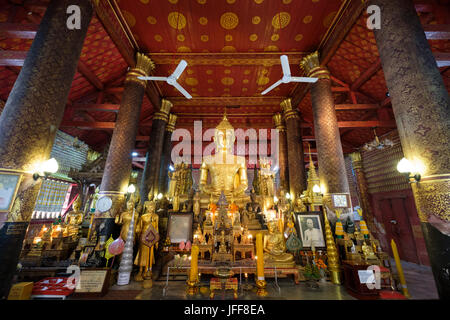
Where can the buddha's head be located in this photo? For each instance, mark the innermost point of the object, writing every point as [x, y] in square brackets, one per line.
[77, 204]
[224, 135]
[150, 206]
[271, 226]
[130, 204]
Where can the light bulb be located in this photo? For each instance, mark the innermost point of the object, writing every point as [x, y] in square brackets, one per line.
[288, 196]
[316, 188]
[405, 166]
[275, 199]
[50, 166]
[131, 188]
[160, 196]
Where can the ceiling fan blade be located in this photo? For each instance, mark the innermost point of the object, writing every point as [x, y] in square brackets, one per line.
[276, 84]
[181, 89]
[303, 79]
[180, 68]
[153, 78]
[285, 65]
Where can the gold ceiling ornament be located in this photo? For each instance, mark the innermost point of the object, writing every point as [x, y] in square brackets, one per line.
[259, 1]
[253, 37]
[180, 37]
[329, 19]
[190, 81]
[311, 65]
[275, 37]
[307, 19]
[210, 90]
[209, 71]
[271, 48]
[151, 20]
[227, 71]
[131, 20]
[210, 81]
[227, 81]
[226, 89]
[203, 21]
[183, 49]
[246, 72]
[201, 1]
[228, 37]
[145, 1]
[229, 20]
[231, 1]
[173, 1]
[158, 37]
[244, 89]
[287, 1]
[256, 20]
[245, 81]
[228, 49]
[204, 38]
[262, 81]
[281, 20]
[190, 71]
[176, 20]
[298, 37]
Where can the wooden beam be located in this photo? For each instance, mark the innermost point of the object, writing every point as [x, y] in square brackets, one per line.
[96, 107]
[366, 75]
[18, 30]
[367, 124]
[88, 125]
[89, 75]
[442, 59]
[437, 31]
[341, 107]
[12, 58]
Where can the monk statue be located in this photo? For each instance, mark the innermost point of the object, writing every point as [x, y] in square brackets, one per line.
[275, 248]
[124, 219]
[227, 172]
[299, 206]
[74, 218]
[145, 257]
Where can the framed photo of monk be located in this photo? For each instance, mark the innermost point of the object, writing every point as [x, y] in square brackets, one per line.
[310, 228]
[9, 184]
[179, 228]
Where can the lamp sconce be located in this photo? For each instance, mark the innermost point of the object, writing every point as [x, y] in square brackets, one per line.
[409, 169]
[46, 168]
[131, 188]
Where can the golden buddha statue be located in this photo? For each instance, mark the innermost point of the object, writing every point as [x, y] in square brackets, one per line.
[223, 245]
[299, 206]
[124, 219]
[275, 249]
[367, 252]
[145, 257]
[228, 173]
[198, 235]
[74, 218]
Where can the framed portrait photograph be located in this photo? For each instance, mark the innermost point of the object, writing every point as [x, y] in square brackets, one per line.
[341, 200]
[179, 227]
[310, 228]
[9, 184]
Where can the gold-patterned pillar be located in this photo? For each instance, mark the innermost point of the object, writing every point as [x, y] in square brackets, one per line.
[282, 155]
[30, 120]
[296, 162]
[117, 171]
[332, 172]
[165, 156]
[150, 177]
[358, 169]
[421, 106]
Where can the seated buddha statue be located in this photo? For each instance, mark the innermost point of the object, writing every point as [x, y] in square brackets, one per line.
[253, 222]
[227, 172]
[74, 218]
[275, 249]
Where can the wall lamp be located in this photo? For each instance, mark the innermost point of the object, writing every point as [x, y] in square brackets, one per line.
[410, 169]
[46, 168]
[131, 188]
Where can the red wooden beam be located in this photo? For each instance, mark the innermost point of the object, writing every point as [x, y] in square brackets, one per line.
[367, 124]
[356, 106]
[442, 59]
[12, 58]
[97, 107]
[366, 75]
[18, 30]
[89, 75]
[437, 31]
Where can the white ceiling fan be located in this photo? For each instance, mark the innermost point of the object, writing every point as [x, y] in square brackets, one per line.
[287, 76]
[172, 79]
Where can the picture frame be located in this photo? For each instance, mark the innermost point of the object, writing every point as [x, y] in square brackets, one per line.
[9, 185]
[310, 227]
[179, 227]
[341, 200]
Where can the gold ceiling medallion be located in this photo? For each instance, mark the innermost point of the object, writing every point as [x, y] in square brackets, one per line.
[229, 20]
[253, 37]
[201, 1]
[180, 37]
[281, 20]
[256, 20]
[228, 49]
[183, 49]
[228, 81]
[204, 38]
[151, 20]
[158, 38]
[262, 81]
[298, 37]
[259, 1]
[203, 21]
[271, 48]
[307, 19]
[176, 20]
[191, 81]
[275, 37]
[228, 37]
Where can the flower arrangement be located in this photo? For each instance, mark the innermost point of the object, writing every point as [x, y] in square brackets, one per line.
[320, 264]
[311, 272]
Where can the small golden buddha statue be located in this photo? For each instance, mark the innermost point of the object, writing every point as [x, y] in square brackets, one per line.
[223, 245]
[367, 251]
[253, 222]
[275, 248]
[145, 256]
[196, 207]
[74, 218]
[227, 171]
[198, 235]
[124, 219]
[299, 206]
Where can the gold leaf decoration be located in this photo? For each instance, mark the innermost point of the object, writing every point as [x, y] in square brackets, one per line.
[191, 81]
[151, 20]
[183, 49]
[275, 37]
[256, 20]
[229, 20]
[131, 20]
[227, 81]
[176, 20]
[307, 19]
[281, 20]
[253, 37]
[228, 49]
[298, 37]
[203, 21]
[204, 38]
[228, 37]
[180, 37]
[271, 48]
[158, 37]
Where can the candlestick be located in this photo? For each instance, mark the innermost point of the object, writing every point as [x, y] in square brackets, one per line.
[399, 269]
[260, 280]
[332, 253]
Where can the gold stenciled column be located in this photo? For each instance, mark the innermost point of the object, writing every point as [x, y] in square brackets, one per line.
[421, 106]
[30, 120]
[117, 171]
[332, 172]
[357, 166]
[166, 153]
[282, 155]
[297, 182]
[149, 183]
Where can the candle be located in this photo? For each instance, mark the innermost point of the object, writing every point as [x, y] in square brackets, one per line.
[194, 264]
[399, 269]
[260, 255]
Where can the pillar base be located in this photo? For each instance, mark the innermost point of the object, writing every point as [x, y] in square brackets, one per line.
[261, 288]
[335, 277]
